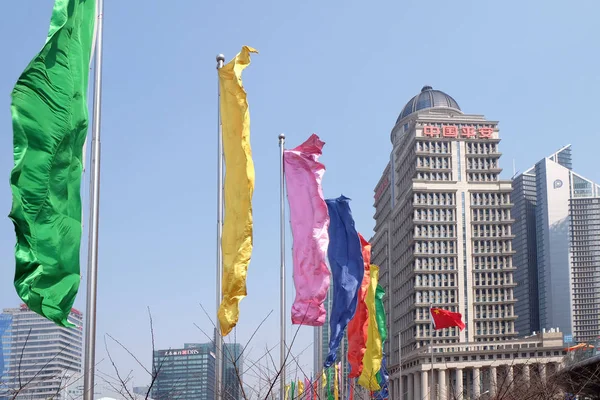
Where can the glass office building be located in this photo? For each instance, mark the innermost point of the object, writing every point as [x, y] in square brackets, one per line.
[558, 262]
[37, 351]
[184, 374]
[189, 373]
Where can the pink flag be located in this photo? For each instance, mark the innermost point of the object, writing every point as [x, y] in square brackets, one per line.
[308, 389]
[310, 221]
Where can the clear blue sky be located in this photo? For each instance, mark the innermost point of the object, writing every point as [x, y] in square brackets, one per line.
[343, 70]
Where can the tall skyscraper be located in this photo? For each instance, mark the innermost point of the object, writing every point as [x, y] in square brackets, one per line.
[5, 322]
[443, 237]
[233, 371]
[445, 222]
[184, 374]
[563, 250]
[321, 335]
[56, 369]
[189, 373]
[525, 260]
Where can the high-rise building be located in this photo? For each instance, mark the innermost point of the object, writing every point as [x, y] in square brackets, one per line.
[233, 371]
[443, 237]
[51, 373]
[321, 335]
[563, 250]
[5, 321]
[525, 259]
[189, 373]
[184, 374]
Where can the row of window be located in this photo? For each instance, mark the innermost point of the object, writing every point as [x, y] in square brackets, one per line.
[482, 163]
[481, 148]
[433, 147]
[435, 231]
[434, 199]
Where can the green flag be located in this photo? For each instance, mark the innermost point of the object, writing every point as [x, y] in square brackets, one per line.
[50, 122]
[380, 315]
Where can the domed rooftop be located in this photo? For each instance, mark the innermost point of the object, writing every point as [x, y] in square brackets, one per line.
[428, 98]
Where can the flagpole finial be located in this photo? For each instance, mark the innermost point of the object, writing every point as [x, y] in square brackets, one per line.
[220, 60]
[282, 136]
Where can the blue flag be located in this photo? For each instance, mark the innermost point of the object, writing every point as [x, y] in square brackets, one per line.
[346, 263]
[382, 378]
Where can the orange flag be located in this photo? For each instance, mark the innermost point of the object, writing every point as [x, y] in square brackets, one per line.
[358, 326]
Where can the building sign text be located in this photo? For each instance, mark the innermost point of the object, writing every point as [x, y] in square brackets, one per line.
[185, 352]
[453, 131]
[381, 188]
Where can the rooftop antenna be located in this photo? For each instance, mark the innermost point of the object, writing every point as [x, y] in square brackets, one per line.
[515, 172]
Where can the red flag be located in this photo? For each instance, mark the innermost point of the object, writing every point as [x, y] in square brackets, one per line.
[446, 319]
[358, 326]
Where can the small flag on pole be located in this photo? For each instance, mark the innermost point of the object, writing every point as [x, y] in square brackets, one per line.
[50, 122]
[446, 319]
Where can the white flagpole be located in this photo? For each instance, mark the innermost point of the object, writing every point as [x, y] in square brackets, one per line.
[282, 345]
[218, 288]
[92, 270]
[431, 345]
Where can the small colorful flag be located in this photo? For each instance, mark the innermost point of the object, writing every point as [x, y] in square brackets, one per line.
[446, 319]
[336, 383]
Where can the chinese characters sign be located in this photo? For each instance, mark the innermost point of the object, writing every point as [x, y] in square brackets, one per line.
[185, 352]
[453, 131]
[381, 188]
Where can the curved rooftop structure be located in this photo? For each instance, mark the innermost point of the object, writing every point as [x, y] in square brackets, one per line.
[428, 98]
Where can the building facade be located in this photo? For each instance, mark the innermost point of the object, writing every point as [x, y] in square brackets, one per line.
[563, 249]
[233, 371]
[37, 351]
[189, 373]
[321, 344]
[444, 237]
[525, 260]
[184, 374]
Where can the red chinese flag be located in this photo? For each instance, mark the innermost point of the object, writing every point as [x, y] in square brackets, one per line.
[446, 319]
[358, 326]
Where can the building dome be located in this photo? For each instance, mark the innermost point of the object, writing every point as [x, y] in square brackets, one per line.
[428, 98]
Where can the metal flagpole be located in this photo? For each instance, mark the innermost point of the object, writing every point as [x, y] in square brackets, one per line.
[401, 383]
[431, 345]
[320, 364]
[219, 272]
[282, 346]
[342, 367]
[92, 271]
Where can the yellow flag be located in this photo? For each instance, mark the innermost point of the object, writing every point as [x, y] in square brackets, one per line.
[300, 387]
[324, 380]
[239, 187]
[374, 352]
[336, 387]
[287, 391]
